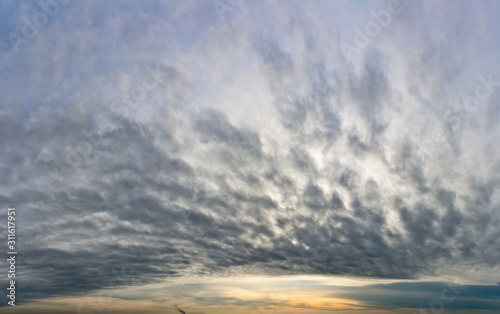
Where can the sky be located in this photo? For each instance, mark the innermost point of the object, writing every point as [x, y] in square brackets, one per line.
[251, 156]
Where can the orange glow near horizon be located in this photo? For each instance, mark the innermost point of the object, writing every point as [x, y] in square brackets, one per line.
[247, 295]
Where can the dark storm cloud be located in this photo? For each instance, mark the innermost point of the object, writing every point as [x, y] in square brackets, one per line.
[343, 187]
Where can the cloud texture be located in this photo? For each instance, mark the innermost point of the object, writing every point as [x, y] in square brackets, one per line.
[155, 136]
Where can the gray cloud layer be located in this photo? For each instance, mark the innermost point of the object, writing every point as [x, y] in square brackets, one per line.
[347, 169]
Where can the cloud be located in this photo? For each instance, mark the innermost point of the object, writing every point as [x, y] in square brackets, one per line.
[326, 172]
[425, 295]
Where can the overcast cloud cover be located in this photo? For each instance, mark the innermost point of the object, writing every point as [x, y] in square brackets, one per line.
[179, 139]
